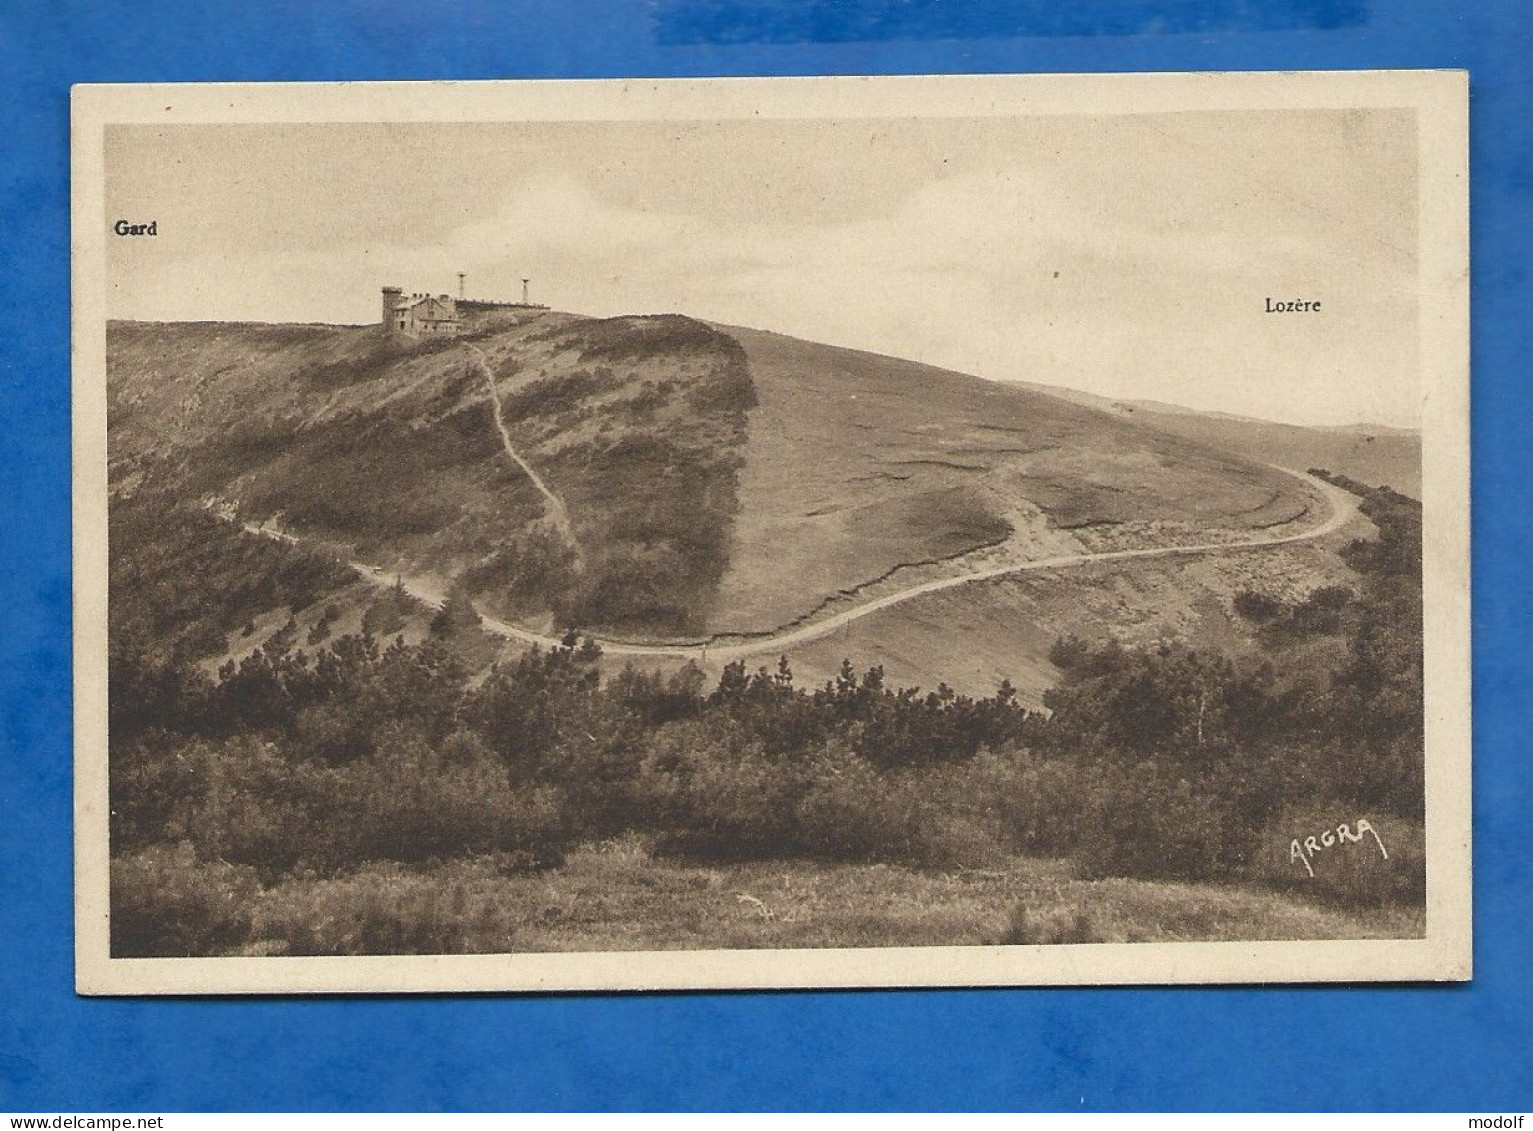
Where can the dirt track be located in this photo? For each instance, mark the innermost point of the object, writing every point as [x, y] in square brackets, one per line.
[725, 648]
[553, 507]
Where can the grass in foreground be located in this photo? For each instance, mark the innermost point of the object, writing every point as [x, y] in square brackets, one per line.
[615, 896]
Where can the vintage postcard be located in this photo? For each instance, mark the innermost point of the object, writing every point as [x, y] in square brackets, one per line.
[990, 530]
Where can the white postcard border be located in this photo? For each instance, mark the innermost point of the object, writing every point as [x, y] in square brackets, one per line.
[1441, 101]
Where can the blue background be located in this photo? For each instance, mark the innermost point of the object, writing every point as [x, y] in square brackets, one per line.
[1464, 1048]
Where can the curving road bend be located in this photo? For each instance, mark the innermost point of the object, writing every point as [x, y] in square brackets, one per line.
[1343, 506]
[724, 648]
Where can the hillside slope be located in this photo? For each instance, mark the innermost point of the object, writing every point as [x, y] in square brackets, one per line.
[1380, 457]
[1372, 454]
[652, 478]
[857, 464]
[389, 452]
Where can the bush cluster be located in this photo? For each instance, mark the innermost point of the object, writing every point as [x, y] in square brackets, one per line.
[1188, 763]
[168, 903]
[1163, 763]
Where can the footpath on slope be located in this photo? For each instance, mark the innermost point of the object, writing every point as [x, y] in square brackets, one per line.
[553, 506]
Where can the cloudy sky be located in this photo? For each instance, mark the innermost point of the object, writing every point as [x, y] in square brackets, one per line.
[1130, 255]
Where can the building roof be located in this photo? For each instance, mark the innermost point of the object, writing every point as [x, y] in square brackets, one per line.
[418, 299]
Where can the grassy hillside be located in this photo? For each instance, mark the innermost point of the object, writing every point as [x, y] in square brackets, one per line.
[1372, 454]
[716, 479]
[856, 464]
[974, 637]
[1379, 457]
[388, 451]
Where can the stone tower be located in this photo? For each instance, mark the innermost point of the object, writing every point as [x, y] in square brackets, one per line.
[391, 299]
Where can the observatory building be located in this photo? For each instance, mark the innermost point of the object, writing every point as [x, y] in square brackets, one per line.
[435, 316]
[419, 315]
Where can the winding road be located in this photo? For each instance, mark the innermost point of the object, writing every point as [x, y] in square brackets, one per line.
[726, 647]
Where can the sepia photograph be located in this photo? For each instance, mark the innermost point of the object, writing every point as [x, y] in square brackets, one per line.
[750, 533]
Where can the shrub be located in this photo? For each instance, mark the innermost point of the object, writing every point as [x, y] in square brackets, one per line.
[165, 902]
[182, 578]
[727, 388]
[718, 796]
[333, 732]
[1383, 774]
[246, 803]
[1070, 652]
[849, 810]
[386, 615]
[155, 784]
[530, 571]
[412, 803]
[630, 338]
[1045, 808]
[560, 393]
[1257, 607]
[1012, 801]
[456, 615]
[258, 808]
[1156, 820]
